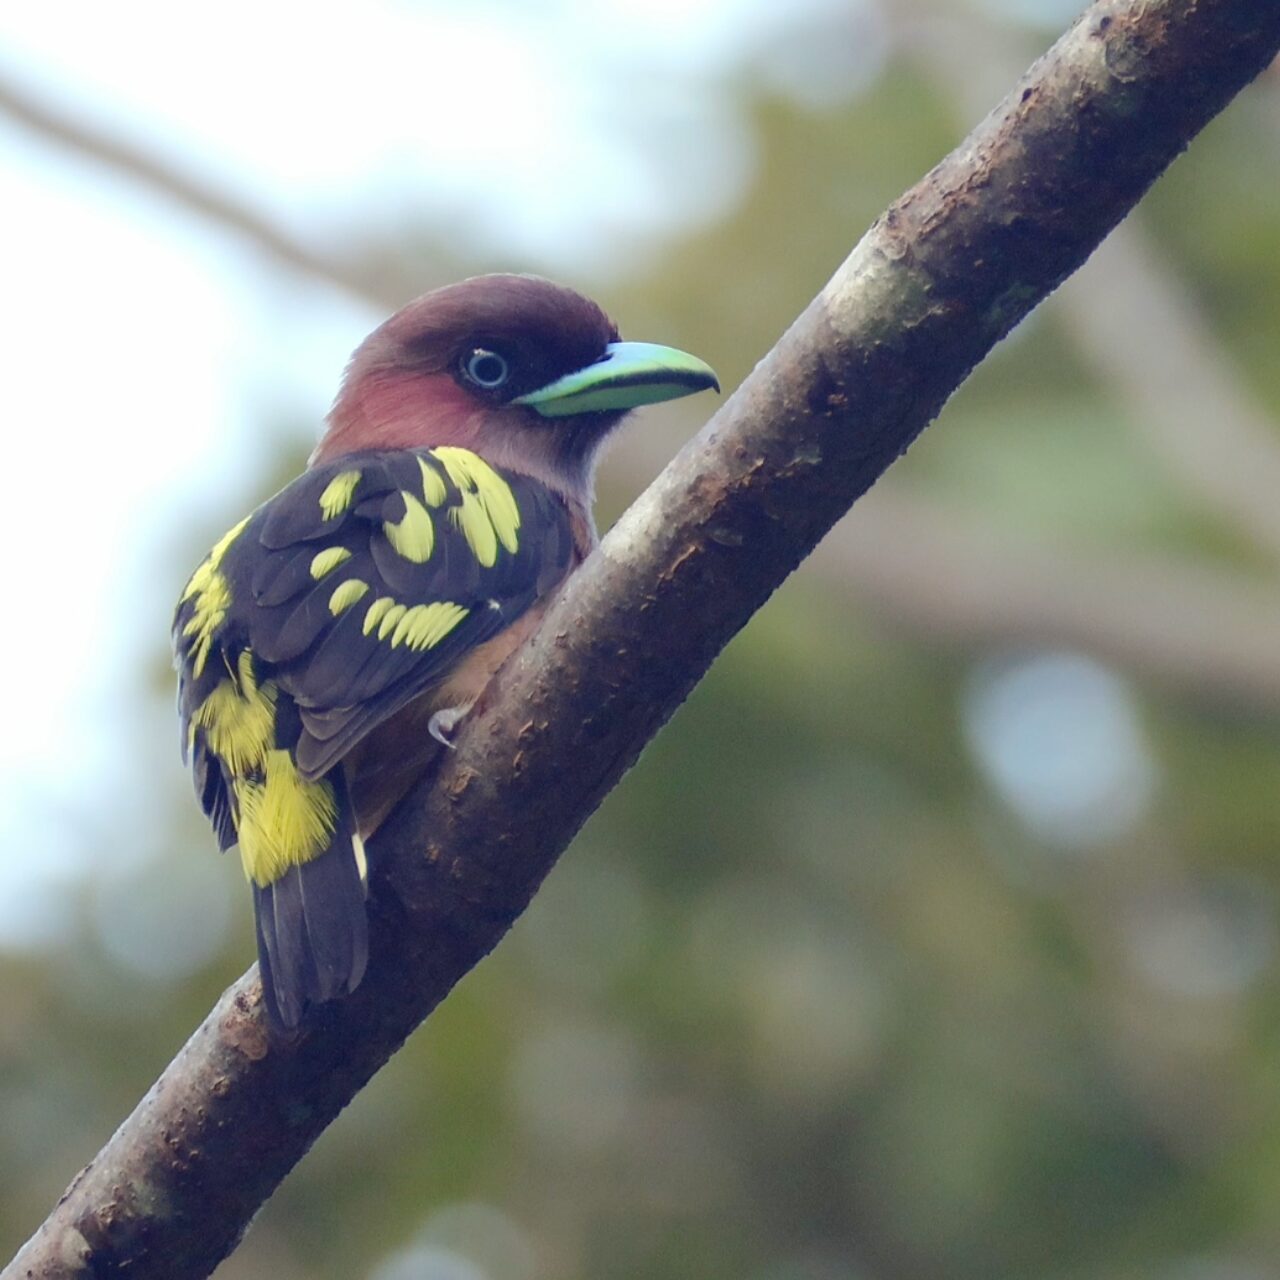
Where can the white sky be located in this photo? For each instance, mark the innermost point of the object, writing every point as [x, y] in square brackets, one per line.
[140, 342]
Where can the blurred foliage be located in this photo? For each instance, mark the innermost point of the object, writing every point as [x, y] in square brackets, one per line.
[821, 991]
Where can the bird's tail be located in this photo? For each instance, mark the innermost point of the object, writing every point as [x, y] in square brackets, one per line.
[313, 934]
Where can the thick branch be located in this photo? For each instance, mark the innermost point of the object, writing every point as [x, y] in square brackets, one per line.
[948, 270]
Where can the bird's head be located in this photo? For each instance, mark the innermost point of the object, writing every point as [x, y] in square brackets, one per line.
[525, 372]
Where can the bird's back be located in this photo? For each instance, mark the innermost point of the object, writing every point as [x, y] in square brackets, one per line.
[334, 611]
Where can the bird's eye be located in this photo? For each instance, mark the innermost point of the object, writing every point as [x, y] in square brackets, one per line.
[486, 369]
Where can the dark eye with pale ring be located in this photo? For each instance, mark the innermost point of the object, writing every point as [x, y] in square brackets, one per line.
[486, 369]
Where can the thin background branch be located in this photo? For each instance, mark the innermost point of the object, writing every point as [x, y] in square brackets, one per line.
[26, 107]
[1135, 322]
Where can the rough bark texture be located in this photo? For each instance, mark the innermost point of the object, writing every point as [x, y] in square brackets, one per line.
[945, 273]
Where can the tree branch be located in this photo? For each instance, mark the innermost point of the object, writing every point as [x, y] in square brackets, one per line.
[102, 147]
[946, 272]
[1142, 331]
[1207, 632]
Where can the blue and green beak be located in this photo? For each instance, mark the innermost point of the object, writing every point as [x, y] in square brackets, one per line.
[628, 375]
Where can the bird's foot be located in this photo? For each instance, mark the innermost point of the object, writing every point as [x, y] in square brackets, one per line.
[444, 722]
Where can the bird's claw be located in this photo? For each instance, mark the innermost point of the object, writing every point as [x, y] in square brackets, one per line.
[442, 724]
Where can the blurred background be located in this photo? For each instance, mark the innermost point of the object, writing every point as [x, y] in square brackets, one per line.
[937, 936]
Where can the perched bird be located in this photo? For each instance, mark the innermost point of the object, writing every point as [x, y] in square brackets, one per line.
[328, 644]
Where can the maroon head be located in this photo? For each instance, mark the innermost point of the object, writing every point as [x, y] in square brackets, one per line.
[528, 374]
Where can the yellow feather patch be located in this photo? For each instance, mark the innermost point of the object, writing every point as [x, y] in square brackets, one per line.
[211, 606]
[413, 536]
[238, 718]
[328, 560]
[284, 820]
[488, 514]
[435, 622]
[338, 493]
[211, 592]
[433, 489]
[390, 619]
[346, 595]
[374, 613]
[425, 625]
[477, 528]
[213, 561]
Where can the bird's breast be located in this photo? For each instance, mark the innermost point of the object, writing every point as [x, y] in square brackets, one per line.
[383, 766]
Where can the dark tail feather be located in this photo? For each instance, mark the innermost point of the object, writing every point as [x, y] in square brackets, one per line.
[313, 932]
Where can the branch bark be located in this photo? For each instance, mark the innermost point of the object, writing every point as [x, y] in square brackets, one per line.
[946, 272]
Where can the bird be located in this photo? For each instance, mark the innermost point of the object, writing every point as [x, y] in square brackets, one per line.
[331, 642]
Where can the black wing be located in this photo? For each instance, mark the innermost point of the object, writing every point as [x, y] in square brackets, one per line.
[364, 583]
[346, 596]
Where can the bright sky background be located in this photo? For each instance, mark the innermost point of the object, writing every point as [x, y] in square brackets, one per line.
[142, 344]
